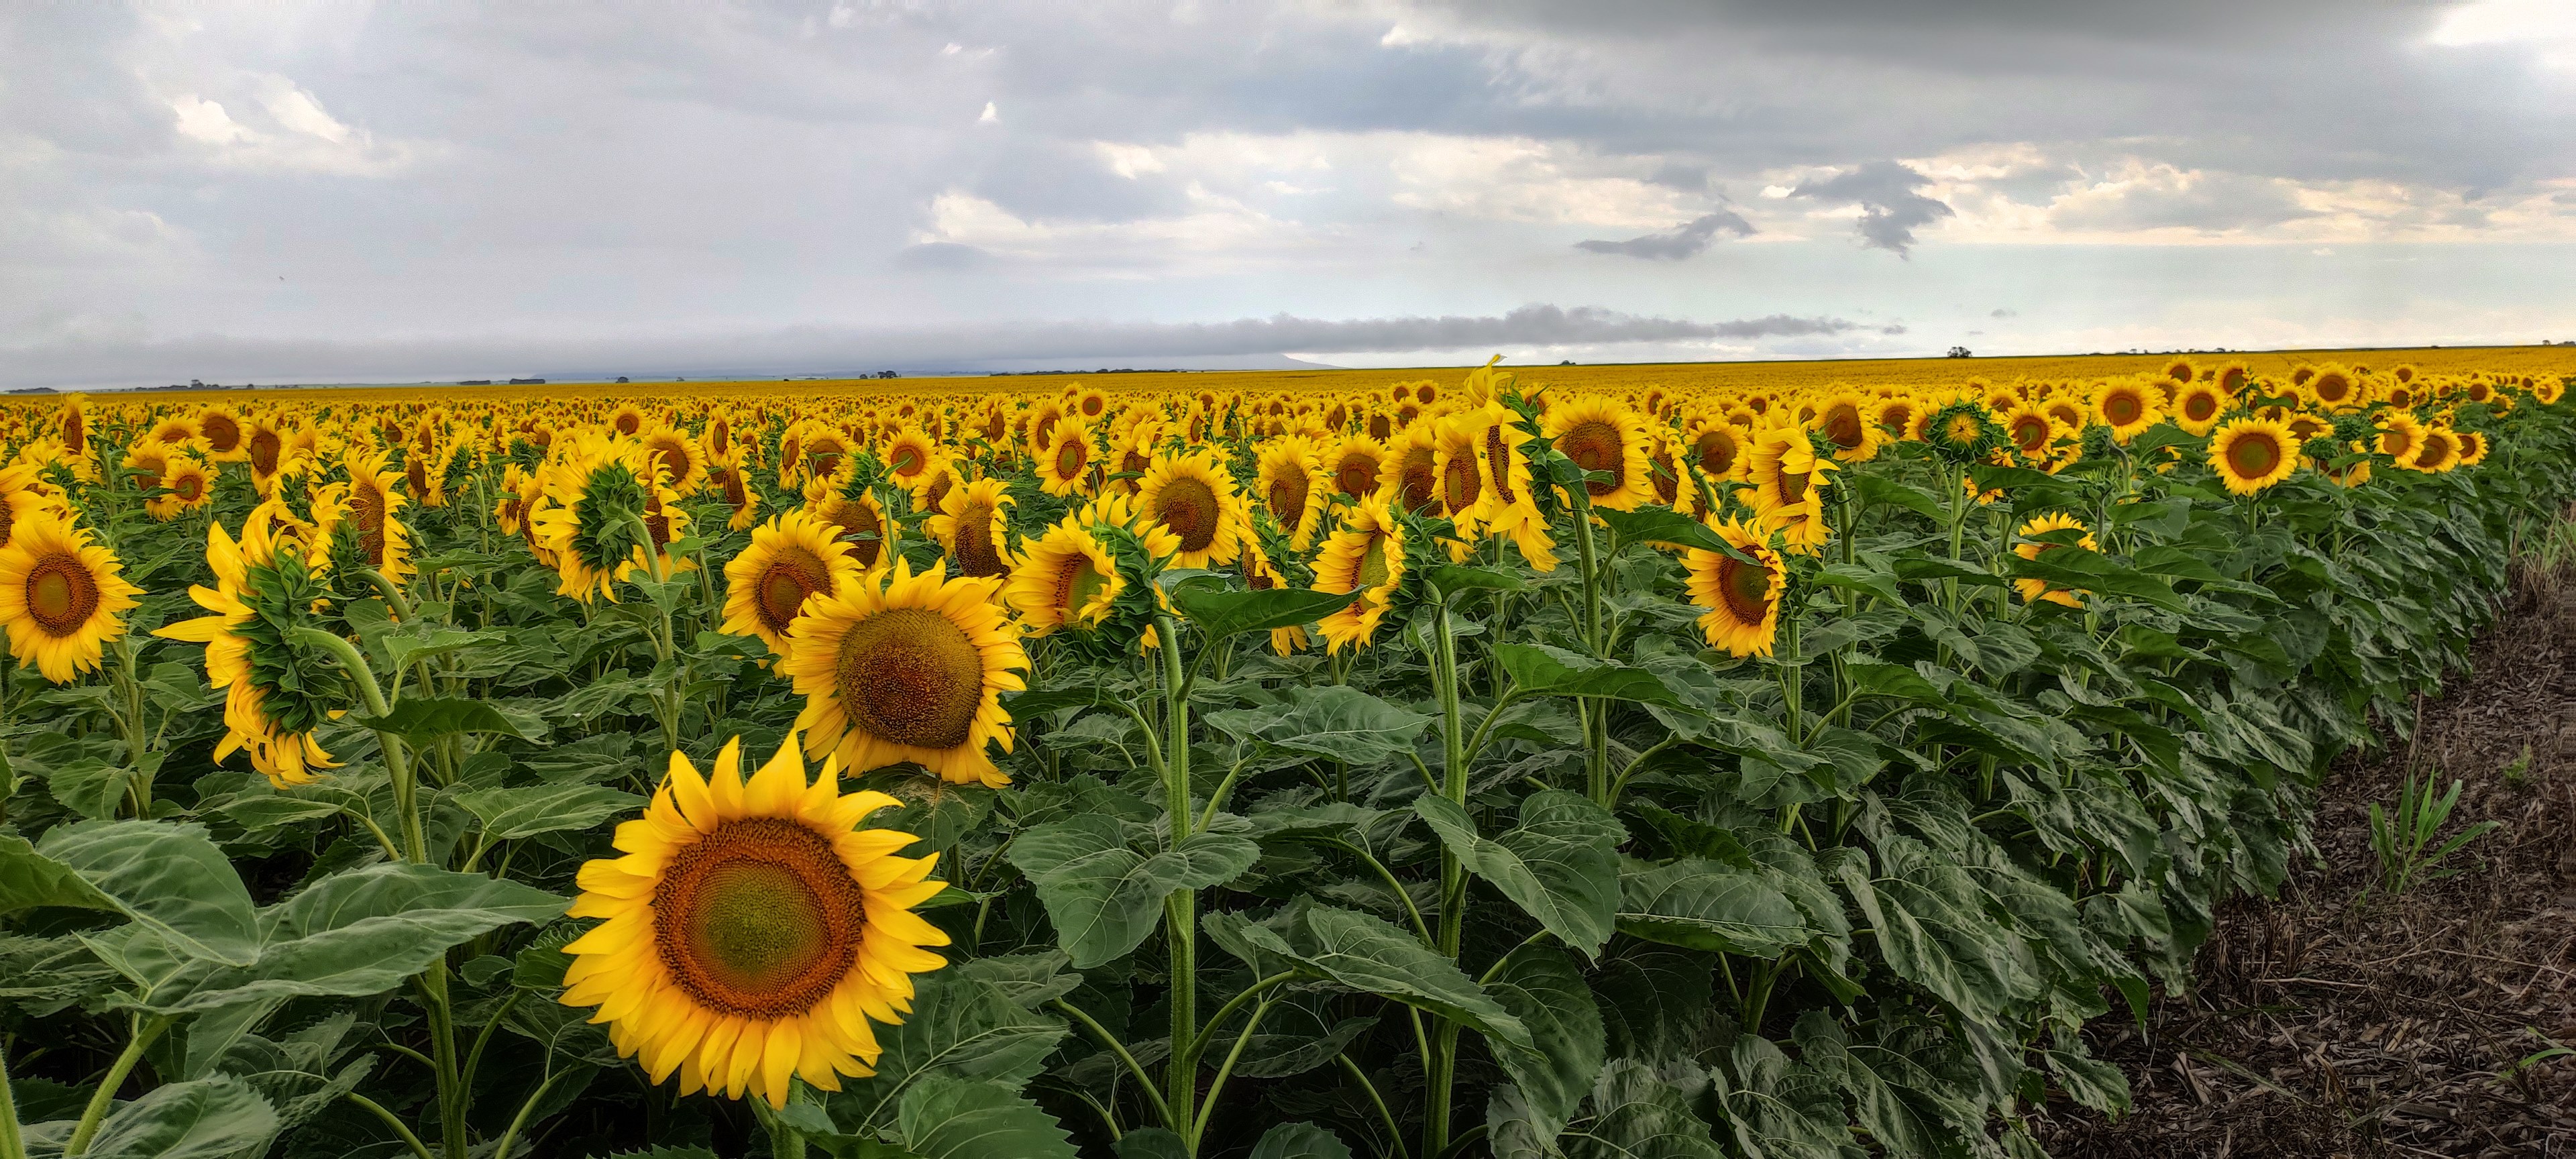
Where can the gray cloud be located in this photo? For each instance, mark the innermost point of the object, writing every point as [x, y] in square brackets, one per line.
[1891, 210]
[1685, 240]
[805, 350]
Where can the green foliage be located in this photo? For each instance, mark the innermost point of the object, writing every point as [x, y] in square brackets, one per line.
[2403, 836]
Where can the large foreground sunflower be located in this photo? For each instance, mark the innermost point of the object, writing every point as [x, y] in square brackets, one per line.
[2251, 454]
[792, 558]
[1292, 482]
[60, 596]
[1743, 599]
[753, 929]
[912, 670]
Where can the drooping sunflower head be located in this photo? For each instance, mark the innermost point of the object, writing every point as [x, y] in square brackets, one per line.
[1743, 599]
[753, 929]
[1459, 488]
[61, 596]
[908, 668]
[793, 558]
[1193, 496]
[2250, 454]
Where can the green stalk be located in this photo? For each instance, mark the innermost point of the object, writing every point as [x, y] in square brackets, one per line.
[372, 696]
[13, 1145]
[144, 1032]
[1596, 725]
[784, 1142]
[1441, 1068]
[1180, 910]
[433, 981]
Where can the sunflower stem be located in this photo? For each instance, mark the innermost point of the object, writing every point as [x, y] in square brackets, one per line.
[1453, 873]
[391, 591]
[13, 1145]
[1180, 911]
[145, 1030]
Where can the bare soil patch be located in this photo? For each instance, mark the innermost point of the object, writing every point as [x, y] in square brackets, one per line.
[2327, 1024]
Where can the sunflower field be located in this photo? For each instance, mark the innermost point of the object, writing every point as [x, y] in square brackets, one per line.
[1158, 766]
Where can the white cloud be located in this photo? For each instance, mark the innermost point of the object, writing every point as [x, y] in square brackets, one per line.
[991, 115]
[2546, 26]
[295, 133]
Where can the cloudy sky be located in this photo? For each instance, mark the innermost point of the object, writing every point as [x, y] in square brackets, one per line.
[346, 192]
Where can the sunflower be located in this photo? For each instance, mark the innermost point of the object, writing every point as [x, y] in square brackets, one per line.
[2197, 407]
[222, 429]
[61, 596]
[856, 518]
[2251, 454]
[594, 523]
[1193, 496]
[2399, 435]
[1900, 413]
[684, 469]
[2473, 447]
[266, 587]
[2033, 589]
[1065, 464]
[970, 526]
[363, 509]
[185, 486]
[1743, 599]
[912, 460]
[2127, 408]
[1843, 419]
[2440, 452]
[2334, 387]
[793, 558]
[1366, 558]
[1458, 490]
[729, 480]
[627, 420]
[1293, 487]
[1355, 464]
[753, 929]
[908, 668]
[1411, 481]
[1718, 451]
[1506, 504]
[2030, 430]
[1786, 490]
[1064, 578]
[1604, 435]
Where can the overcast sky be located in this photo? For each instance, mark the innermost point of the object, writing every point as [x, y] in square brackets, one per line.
[345, 192]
